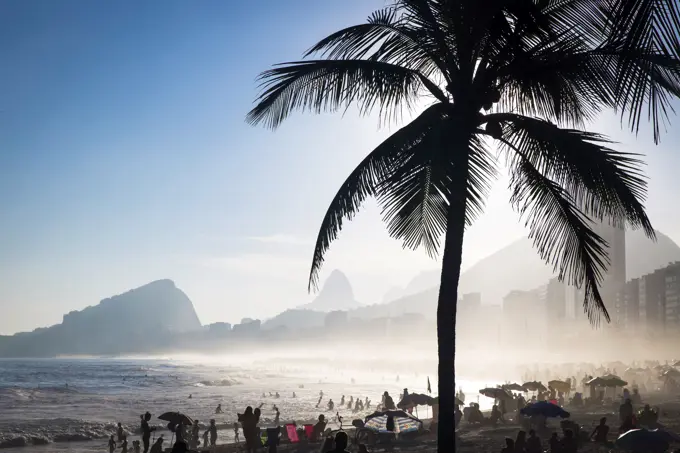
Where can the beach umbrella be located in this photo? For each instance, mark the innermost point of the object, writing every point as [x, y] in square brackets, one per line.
[643, 440]
[560, 386]
[533, 386]
[495, 393]
[403, 422]
[544, 408]
[176, 418]
[513, 387]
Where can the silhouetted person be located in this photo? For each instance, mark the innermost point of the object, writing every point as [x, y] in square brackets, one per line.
[521, 442]
[146, 431]
[554, 442]
[534, 443]
[124, 446]
[569, 443]
[341, 441]
[157, 446]
[179, 447]
[213, 432]
[236, 435]
[218, 409]
[625, 410]
[342, 400]
[388, 402]
[509, 446]
[195, 441]
[331, 405]
[600, 432]
[249, 425]
[112, 444]
[121, 432]
[319, 428]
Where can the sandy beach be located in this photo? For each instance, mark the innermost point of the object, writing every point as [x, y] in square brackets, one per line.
[474, 439]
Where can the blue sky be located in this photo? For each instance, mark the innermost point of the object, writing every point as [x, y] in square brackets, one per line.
[124, 158]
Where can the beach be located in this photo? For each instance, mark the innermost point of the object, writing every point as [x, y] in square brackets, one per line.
[73, 405]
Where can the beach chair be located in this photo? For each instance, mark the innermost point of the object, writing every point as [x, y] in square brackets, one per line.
[291, 430]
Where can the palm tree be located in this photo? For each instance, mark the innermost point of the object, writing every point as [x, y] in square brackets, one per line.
[523, 75]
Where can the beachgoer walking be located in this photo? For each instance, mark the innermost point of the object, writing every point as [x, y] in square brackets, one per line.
[277, 416]
[124, 446]
[236, 435]
[112, 444]
[205, 440]
[121, 432]
[601, 432]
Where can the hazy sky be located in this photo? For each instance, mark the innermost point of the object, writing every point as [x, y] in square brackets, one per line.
[125, 158]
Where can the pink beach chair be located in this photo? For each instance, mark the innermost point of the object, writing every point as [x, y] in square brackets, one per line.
[292, 433]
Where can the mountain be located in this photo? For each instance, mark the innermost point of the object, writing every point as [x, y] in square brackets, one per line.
[296, 319]
[518, 266]
[336, 294]
[129, 322]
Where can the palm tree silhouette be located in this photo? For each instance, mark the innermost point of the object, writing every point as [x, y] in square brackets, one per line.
[525, 75]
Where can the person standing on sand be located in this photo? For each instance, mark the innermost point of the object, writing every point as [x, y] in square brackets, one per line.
[213, 432]
[112, 444]
[124, 446]
[121, 432]
[146, 430]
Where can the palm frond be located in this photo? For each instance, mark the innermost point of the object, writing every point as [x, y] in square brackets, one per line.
[383, 37]
[559, 79]
[642, 80]
[366, 180]
[417, 195]
[561, 233]
[605, 183]
[328, 85]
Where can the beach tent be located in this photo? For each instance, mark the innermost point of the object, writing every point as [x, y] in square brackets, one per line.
[496, 393]
[403, 422]
[513, 387]
[560, 386]
[534, 386]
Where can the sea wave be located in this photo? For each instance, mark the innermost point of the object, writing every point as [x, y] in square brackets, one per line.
[218, 383]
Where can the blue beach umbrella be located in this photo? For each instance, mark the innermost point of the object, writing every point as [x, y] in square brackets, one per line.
[544, 408]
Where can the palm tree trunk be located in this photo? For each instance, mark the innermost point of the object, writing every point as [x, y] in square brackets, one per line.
[446, 314]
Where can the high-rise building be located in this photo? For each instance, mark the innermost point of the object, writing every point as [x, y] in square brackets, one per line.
[652, 303]
[556, 300]
[626, 310]
[672, 306]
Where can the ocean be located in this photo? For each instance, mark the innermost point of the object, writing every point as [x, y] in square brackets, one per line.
[73, 405]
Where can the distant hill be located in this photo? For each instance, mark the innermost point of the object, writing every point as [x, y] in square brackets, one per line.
[518, 266]
[296, 319]
[336, 294]
[129, 322]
